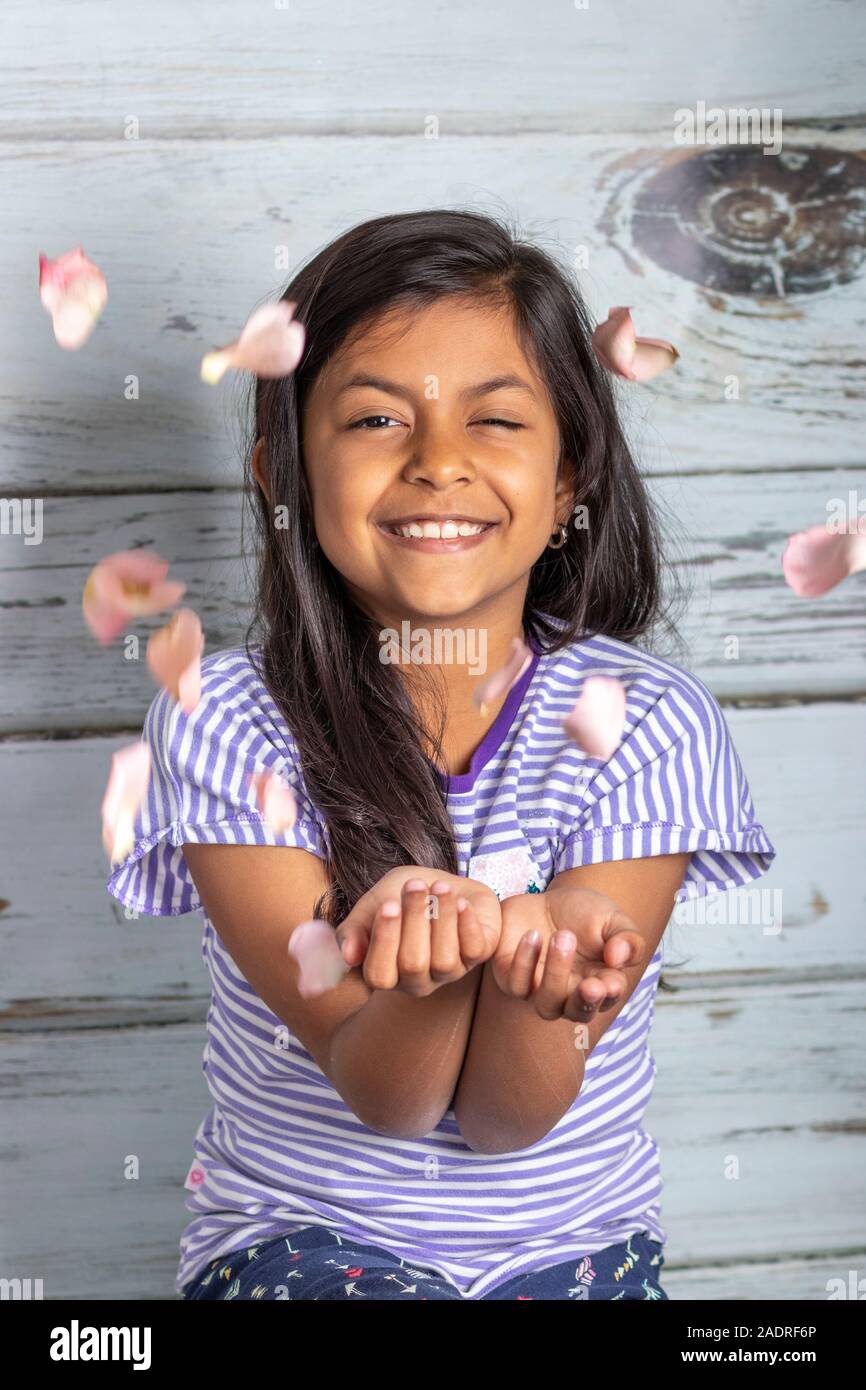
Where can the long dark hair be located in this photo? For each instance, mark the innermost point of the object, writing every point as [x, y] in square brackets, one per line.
[360, 739]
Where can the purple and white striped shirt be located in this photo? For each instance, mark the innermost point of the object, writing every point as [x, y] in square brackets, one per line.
[279, 1148]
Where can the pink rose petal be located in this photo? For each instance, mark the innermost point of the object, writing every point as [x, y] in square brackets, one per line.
[174, 657]
[74, 292]
[275, 799]
[816, 560]
[596, 722]
[636, 359]
[271, 345]
[127, 585]
[126, 789]
[501, 681]
[314, 946]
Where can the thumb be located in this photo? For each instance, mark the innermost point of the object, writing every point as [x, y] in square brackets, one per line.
[500, 964]
[622, 941]
[352, 939]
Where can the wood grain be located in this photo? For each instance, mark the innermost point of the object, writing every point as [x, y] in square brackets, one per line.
[82, 1101]
[231, 72]
[262, 133]
[761, 383]
[726, 544]
[71, 957]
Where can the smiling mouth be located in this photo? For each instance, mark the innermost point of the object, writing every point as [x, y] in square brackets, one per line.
[430, 538]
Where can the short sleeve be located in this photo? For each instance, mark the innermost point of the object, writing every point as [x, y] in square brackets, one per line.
[675, 784]
[200, 790]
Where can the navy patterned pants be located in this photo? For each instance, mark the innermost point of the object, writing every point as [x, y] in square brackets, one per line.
[316, 1263]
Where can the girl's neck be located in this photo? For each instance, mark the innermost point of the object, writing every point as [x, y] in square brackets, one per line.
[465, 726]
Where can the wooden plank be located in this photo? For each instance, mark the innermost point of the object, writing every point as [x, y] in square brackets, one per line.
[63, 937]
[727, 546]
[586, 166]
[70, 958]
[76, 1106]
[773, 1079]
[806, 770]
[747, 632]
[555, 66]
[807, 1280]
[761, 1076]
[175, 289]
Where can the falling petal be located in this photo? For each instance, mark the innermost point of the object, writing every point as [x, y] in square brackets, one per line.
[126, 790]
[652, 357]
[614, 340]
[276, 800]
[500, 682]
[130, 584]
[816, 560]
[174, 657]
[74, 292]
[214, 366]
[596, 722]
[271, 345]
[314, 946]
[619, 349]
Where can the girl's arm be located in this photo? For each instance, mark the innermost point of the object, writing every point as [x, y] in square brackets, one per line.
[393, 1058]
[523, 1072]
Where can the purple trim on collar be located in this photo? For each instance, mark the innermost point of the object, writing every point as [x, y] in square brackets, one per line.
[496, 734]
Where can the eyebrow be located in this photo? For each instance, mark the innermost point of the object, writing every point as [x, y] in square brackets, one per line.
[483, 388]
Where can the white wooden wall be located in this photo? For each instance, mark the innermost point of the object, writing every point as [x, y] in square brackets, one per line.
[262, 127]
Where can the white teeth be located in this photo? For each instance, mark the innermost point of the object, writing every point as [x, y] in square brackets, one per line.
[448, 530]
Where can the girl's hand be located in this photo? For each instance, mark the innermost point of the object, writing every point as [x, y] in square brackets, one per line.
[574, 969]
[417, 929]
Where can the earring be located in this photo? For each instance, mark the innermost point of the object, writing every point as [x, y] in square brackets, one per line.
[563, 537]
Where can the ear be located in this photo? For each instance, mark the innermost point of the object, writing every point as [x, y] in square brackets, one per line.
[565, 497]
[260, 466]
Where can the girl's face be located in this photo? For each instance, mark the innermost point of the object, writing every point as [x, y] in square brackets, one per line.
[437, 412]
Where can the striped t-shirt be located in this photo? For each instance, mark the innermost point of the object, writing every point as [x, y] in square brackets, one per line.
[279, 1148]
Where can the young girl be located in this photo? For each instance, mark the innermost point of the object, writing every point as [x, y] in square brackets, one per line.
[460, 1117]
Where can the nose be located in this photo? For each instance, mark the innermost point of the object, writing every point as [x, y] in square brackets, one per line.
[441, 459]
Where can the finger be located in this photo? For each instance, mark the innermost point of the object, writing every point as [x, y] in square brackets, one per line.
[445, 960]
[501, 966]
[615, 988]
[413, 955]
[622, 942]
[380, 962]
[488, 913]
[596, 992]
[470, 934]
[353, 939]
[553, 993]
[522, 972]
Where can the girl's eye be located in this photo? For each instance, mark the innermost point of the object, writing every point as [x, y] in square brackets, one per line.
[506, 424]
[358, 423]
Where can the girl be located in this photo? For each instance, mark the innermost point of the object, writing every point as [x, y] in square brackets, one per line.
[460, 1117]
